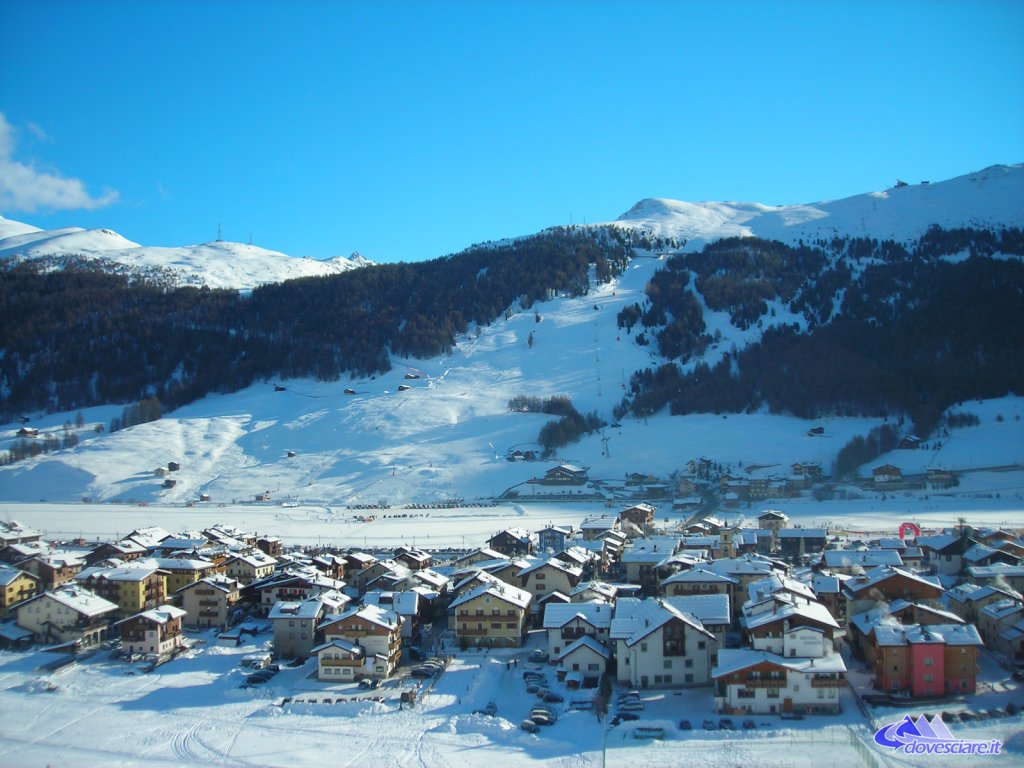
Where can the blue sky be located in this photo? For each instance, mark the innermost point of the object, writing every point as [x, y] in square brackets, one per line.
[408, 130]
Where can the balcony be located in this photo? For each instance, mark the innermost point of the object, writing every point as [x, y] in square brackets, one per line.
[828, 682]
[472, 632]
[778, 682]
[340, 662]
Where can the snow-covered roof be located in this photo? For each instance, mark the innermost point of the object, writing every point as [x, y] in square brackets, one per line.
[80, 600]
[498, 589]
[374, 614]
[865, 558]
[732, 660]
[882, 573]
[775, 582]
[637, 618]
[558, 565]
[710, 609]
[160, 615]
[598, 615]
[994, 570]
[8, 575]
[340, 644]
[802, 533]
[586, 642]
[782, 606]
[700, 576]
[1003, 608]
[949, 634]
[297, 609]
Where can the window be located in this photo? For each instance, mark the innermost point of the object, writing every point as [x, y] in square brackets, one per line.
[593, 667]
[495, 625]
[928, 661]
[667, 664]
[510, 625]
[643, 646]
[701, 645]
[657, 679]
[688, 663]
[929, 678]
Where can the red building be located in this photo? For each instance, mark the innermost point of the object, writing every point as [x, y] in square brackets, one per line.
[925, 661]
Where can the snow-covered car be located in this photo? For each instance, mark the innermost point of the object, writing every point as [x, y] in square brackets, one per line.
[631, 705]
[529, 726]
[710, 725]
[538, 655]
[553, 698]
[490, 709]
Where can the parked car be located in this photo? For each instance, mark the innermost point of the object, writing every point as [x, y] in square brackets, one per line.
[622, 717]
[726, 724]
[967, 716]
[629, 695]
[543, 716]
[631, 705]
[537, 655]
[423, 671]
[553, 698]
[685, 725]
[710, 725]
[369, 684]
[529, 726]
[533, 687]
[749, 725]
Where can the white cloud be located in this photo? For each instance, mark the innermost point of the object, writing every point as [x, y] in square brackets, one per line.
[23, 188]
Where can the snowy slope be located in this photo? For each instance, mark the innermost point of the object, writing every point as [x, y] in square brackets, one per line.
[992, 196]
[446, 437]
[217, 265]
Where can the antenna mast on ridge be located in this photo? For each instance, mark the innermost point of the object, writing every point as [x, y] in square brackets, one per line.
[219, 240]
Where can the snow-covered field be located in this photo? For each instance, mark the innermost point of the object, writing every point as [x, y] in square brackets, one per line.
[193, 711]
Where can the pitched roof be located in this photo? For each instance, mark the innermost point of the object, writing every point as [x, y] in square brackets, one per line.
[161, 615]
[498, 589]
[82, 601]
[586, 642]
[636, 618]
[732, 660]
[598, 615]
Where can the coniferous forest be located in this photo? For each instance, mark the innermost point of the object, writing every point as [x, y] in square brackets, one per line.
[846, 326]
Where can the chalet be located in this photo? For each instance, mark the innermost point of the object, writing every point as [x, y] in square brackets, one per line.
[492, 614]
[564, 474]
[15, 586]
[749, 682]
[773, 520]
[940, 479]
[512, 542]
[909, 442]
[699, 581]
[414, 559]
[788, 625]
[982, 555]
[27, 432]
[155, 632]
[546, 576]
[406, 605]
[657, 645]
[828, 590]
[887, 473]
[292, 587]
[640, 515]
[713, 611]
[478, 556]
[247, 568]
[341, 661]
[566, 623]
[944, 553]
[270, 545]
[13, 532]
[593, 527]
[1000, 625]
[124, 551]
[53, 569]
[587, 657]
[66, 614]
[885, 584]
[210, 602]
[330, 564]
[966, 600]
[809, 469]
[594, 591]
[553, 538]
[358, 561]
[795, 542]
[375, 629]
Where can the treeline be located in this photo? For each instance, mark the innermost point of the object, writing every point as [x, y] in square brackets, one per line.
[909, 335]
[861, 450]
[568, 429]
[84, 336]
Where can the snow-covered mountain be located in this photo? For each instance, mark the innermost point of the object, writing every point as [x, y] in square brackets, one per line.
[990, 197]
[218, 264]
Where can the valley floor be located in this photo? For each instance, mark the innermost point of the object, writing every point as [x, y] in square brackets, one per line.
[193, 711]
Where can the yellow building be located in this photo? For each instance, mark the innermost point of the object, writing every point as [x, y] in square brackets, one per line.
[15, 586]
[492, 614]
